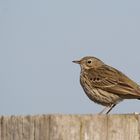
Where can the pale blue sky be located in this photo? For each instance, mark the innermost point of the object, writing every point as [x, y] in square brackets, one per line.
[40, 38]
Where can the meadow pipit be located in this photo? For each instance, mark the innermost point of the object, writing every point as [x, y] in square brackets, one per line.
[104, 84]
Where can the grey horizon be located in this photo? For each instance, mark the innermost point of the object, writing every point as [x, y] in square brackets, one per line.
[40, 39]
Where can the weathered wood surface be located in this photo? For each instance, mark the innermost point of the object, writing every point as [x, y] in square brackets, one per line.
[70, 127]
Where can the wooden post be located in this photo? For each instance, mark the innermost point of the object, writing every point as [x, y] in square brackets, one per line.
[70, 127]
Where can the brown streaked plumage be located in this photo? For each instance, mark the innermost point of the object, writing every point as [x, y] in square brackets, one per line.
[104, 84]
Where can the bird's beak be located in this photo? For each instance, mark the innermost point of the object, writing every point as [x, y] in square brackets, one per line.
[76, 61]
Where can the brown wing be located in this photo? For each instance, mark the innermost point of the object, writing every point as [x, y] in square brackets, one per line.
[112, 80]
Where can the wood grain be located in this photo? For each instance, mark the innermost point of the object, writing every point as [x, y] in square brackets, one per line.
[70, 127]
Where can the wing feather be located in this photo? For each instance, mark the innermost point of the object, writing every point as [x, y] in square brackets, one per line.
[114, 81]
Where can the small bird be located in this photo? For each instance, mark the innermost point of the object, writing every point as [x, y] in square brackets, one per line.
[104, 84]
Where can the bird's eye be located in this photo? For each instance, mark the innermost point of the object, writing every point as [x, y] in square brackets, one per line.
[89, 61]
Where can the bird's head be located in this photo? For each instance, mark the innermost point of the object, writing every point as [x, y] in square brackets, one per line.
[89, 62]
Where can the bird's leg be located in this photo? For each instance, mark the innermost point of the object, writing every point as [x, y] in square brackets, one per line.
[112, 106]
[103, 110]
[108, 108]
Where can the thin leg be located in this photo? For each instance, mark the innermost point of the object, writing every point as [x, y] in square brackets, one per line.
[103, 110]
[111, 108]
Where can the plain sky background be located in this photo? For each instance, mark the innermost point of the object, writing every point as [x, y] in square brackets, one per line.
[40, 38]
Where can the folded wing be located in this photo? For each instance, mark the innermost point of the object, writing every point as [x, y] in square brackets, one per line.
[114, 81]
